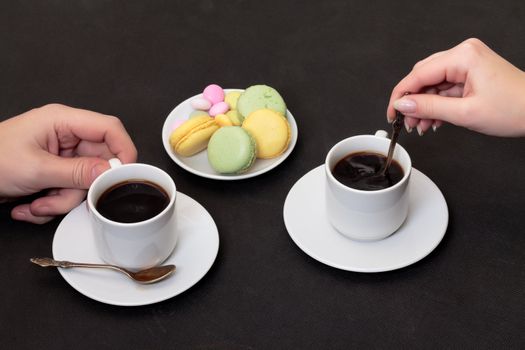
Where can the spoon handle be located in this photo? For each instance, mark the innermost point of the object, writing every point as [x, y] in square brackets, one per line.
[397, 125]
[46, 262]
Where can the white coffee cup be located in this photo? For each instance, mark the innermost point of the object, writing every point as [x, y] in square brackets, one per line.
[137, 245]
[366, 215]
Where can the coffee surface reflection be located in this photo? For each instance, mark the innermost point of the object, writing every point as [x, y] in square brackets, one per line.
[362, 171]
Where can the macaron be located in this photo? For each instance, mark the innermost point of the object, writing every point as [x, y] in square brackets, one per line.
[231, 150]
[193, 135]
[231, 98]
[235, 117]
[260, 97]
[223, 120]
[177, 123]
[271, 131]
[197, 113]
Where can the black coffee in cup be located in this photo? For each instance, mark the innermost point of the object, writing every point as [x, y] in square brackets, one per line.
[132, 201]
[362, 171]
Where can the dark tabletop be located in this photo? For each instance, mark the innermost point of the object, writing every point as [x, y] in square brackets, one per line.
[335, 63]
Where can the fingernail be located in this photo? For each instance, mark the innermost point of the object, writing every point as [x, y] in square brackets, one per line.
[18, 214]
[409, 129]
[435, 127]
[419, 131]
[405, 105]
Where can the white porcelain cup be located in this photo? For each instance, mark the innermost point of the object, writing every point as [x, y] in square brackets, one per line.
[366, 215]
[137, 245]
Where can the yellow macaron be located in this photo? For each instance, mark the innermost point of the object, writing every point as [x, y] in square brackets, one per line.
[231, 99]
[223, 120]
[193, 135]
[235, 117]
[271, 131]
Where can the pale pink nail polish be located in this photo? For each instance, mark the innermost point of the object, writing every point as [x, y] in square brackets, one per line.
[405, 105]
[19, 214]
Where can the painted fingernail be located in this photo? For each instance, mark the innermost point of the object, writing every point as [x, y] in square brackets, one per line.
[18, 214]
[419, 130]
[405, 105]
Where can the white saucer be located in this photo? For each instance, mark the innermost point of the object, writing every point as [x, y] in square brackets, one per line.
[198, 164]
[193, 256]
[307, 225]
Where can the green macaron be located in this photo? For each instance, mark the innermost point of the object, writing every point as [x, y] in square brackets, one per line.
[231, 150]
[198, 113]
[260, 97]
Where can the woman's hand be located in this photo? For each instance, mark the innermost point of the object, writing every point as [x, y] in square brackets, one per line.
[469, 85]
[59, 149]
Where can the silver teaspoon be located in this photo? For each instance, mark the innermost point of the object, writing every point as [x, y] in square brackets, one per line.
[146, 276]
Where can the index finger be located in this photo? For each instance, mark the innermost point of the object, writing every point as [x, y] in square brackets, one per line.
[445, 67]
[96, 127]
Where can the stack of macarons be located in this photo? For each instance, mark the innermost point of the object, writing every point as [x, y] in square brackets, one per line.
[236, 127]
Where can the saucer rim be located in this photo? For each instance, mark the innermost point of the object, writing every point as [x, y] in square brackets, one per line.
[173, 290]
[326, 261]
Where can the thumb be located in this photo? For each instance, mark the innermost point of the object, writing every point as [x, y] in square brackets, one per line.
[75, 172]
[431, 106]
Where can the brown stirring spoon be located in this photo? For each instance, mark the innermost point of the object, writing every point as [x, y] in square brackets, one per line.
[397, 125]
[147, 276]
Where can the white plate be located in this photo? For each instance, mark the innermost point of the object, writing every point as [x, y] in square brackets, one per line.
[198, 164]
[307, 225]
[193, 256]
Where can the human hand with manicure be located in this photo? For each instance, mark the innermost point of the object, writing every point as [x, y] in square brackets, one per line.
[468, 85]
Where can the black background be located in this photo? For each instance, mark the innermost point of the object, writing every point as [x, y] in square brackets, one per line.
[335, 63]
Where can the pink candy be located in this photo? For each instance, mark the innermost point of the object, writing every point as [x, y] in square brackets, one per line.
[219, 108]
[212, 100]
[213, 93]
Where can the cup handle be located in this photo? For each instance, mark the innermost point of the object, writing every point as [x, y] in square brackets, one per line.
[114, 163]
[381, 133]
